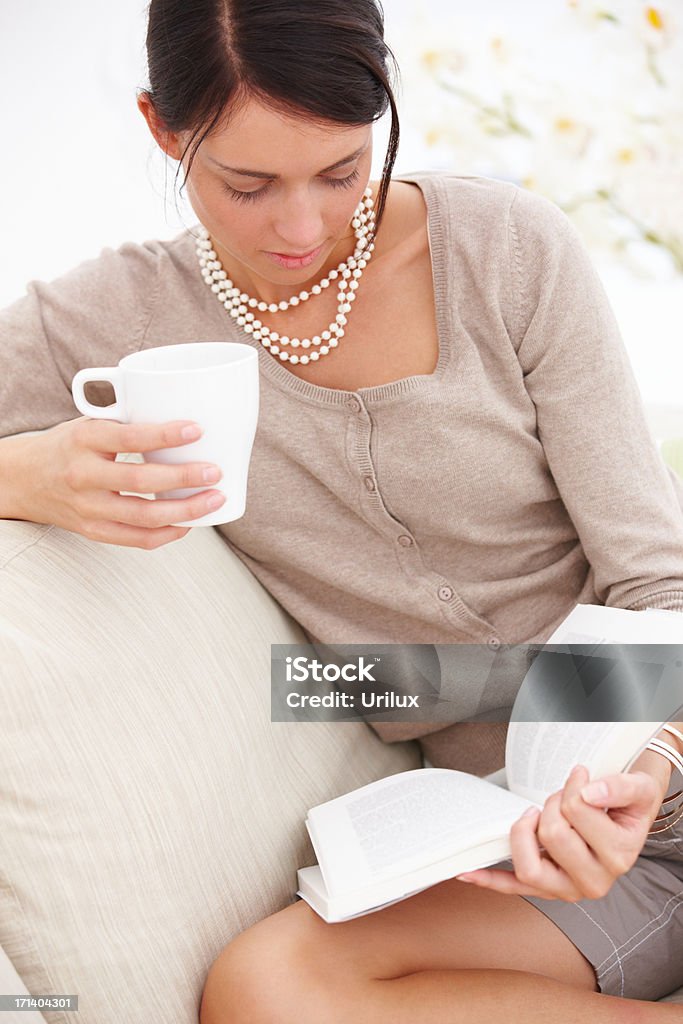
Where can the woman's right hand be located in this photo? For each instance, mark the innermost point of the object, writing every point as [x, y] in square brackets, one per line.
[72, 481]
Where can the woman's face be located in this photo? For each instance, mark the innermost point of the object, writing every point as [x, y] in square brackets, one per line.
[276, 184]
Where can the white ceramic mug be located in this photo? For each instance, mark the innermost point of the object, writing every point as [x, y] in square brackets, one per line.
[212, 383]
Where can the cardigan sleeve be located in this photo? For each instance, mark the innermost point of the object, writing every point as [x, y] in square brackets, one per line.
[625, 503]
[91, 316]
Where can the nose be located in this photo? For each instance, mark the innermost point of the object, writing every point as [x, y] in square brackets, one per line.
[298, 224]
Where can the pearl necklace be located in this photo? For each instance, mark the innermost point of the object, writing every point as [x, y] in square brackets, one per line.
[240, 305]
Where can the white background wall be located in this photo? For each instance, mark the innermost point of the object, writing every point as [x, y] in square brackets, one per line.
[79, 169]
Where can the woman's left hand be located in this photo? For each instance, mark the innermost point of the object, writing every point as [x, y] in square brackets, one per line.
[586, 848]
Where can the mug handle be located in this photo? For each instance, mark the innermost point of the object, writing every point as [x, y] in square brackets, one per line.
[114, 376]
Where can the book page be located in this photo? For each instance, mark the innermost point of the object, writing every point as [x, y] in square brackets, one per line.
[603, 663]
[543, 753]
[382, 892]
[419, 815]
[405, 821]
[599, 623]
[311, 887]
[540, 755]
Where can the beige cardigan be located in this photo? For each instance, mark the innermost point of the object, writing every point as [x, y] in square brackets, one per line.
[477, 504]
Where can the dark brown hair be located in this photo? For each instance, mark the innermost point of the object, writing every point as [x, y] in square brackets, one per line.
[323, 58]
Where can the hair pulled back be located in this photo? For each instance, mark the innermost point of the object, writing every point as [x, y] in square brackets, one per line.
[324, 58]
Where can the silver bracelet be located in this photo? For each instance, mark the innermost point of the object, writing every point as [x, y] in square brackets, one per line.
[673, 755]
[666, 750]
[673, 730]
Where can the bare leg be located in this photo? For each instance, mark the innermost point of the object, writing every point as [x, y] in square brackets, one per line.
[480, 996]
[454, 954]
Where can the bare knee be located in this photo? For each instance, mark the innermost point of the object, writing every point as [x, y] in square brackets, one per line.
[269, 975]
[232, 983]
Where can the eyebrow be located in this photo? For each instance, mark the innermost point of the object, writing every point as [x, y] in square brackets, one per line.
[266, 174]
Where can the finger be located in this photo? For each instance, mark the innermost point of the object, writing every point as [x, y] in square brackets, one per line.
[149, 477]
[632, 791]
[152, 513]
[133, 537]
[615, 837]
[501, 880]
[567, 845]
[533, 866]
[541, 877]
[111, 436]
[627, 798]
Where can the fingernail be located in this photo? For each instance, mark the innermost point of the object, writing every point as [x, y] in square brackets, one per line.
[211, 475]
[595, 791]
[529, 811]
[191, 433]
[215, 501]
[463, 878]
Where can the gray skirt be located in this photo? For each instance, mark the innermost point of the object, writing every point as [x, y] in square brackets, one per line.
[633, 936]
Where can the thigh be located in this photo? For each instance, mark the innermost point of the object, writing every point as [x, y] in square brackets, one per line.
[450, 926]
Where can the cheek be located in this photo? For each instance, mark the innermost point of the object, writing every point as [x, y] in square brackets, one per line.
[238, 226]
[342, 208]
[244, 233]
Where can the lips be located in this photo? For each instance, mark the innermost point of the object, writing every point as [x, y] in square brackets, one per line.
[290, 262]
[298, 255]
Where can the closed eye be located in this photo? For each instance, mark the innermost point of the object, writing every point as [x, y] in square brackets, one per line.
[247, 197]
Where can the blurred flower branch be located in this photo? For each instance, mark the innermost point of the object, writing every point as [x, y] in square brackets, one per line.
[585, 106]
[670, 242]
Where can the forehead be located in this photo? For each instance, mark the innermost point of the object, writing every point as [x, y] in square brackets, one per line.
[258, 137]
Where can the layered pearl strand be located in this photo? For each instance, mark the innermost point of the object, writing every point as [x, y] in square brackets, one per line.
[241, 306]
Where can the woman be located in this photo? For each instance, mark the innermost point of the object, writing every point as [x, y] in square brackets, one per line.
[445, 400]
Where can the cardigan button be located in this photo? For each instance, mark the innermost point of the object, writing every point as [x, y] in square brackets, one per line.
[445, 593]
[369, 483]
[405, 540]
[353, 404]
[493, 642]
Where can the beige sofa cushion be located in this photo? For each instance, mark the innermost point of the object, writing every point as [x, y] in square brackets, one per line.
[149, 809]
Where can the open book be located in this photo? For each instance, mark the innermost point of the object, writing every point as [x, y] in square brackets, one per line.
[381, 843]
